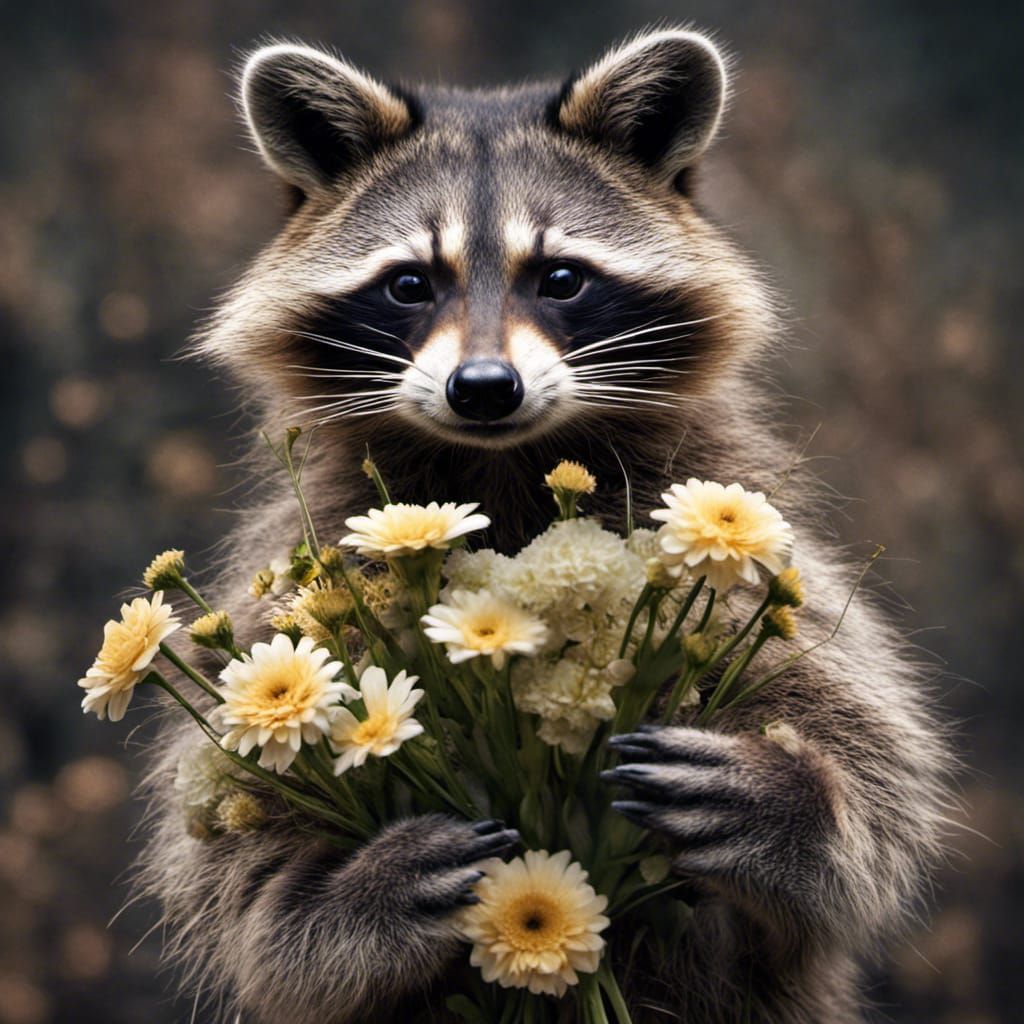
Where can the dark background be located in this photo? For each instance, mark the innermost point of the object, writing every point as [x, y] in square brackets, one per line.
[871, 161]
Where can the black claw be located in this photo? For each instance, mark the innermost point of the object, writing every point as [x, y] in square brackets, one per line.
[492, 845]
[634, 810]
[628, 774]
[467, 899]
[482, 828]
[648, 727]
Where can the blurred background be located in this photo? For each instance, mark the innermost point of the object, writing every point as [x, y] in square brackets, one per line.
[871, 162]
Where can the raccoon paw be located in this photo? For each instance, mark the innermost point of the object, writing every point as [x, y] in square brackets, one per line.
[730, 805]
[429, 862]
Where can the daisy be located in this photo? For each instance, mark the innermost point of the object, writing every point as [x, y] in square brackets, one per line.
[721, 532]
[405, 529]
[481, 623]
[388, 722]
[537, 924]
[165, 570]
[572, 477]
[128, 648]
[277, 697]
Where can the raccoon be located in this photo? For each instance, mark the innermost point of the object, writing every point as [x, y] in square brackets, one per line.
[473, 285]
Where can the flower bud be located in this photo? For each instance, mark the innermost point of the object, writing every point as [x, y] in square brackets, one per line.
[779, 621]
[699, 649]
[658, 575]
[332, 561]
[286, 623]
[787, 589]
[262, 583]
[165, 571]
[321, 612]
[569, 480]
[240, 812]
[572, 477]
[213, 630]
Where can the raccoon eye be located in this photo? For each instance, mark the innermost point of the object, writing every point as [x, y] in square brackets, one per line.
[561, 281]
[410, 287]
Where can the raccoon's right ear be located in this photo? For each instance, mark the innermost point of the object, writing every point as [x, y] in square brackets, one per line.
[657, 98]
[313, 116]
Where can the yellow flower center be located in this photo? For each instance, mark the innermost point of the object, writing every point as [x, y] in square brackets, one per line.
[731, 525]
[486, 633]
[376, 728]
[533, 922]
[277, 700]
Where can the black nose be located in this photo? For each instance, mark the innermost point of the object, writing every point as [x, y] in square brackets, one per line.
[485, 389]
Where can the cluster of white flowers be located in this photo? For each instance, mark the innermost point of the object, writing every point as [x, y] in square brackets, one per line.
[581, 581]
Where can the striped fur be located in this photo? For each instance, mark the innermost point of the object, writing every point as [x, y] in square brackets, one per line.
[804, 857]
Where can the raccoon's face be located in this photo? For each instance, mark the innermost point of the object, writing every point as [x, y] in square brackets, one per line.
[487, 266]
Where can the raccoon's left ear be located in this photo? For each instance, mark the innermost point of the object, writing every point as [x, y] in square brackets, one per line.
[314, 117]
[657, 98]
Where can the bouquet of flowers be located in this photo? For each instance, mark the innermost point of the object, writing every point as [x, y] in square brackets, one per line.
[403, 672]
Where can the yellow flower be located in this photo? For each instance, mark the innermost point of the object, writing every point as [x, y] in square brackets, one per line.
[537, 924]
[276, 698]
[128, 648]
[571, 476]
[388, 722]
[164, 572]
[474, 624]
[214, 630]
[320, 611]
[780, 621]
[405, 529]
[721, 532]
[787, 588]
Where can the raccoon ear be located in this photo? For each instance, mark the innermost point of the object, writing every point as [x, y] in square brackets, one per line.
[657, 98]
[313, 116]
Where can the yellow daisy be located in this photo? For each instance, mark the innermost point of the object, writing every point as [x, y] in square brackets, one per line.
[537, 924]
[388, 722]
[572, 477]
[128, 648]
[471, 624]
[277, 697]
[405, 529]
[721, 532]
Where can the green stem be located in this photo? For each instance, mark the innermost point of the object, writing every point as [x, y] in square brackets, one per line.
[686, 680]
[608, 981]
[641, 603]
[192, 674]
[189, 591]
[731, 674]
[684, 610]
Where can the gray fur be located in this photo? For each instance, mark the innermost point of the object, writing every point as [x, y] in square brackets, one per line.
[804, 858]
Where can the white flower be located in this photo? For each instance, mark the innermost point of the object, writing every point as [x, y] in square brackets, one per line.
[278, 697]
[128, 648]
[537, 924]
[281, 567]
[573, 564]
[388, 722]
[405, 529]
[204, 771]
[473, 624]
[721, 532]
[571, 696]
[474, 570]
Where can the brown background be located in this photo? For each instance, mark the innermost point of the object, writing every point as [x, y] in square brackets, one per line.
[871, 162]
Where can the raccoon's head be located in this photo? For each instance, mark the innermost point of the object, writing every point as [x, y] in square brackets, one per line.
[486, 266]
